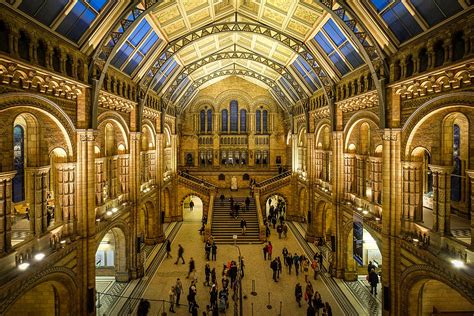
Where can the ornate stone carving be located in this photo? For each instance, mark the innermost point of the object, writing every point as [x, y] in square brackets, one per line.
[446, 79]
[321, 113]
[150, 113]
[113, 102]
[362, 101]
[28, 78]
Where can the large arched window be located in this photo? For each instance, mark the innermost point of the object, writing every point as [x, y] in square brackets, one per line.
[234, 116]
[209, 120]
[202, 119]
[258, 123]
[18, 163]
[265, 121]
[243, 120]
[224, 118]
[456, 180]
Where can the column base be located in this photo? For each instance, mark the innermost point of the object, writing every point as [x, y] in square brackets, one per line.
[350, 276]
[122, 276]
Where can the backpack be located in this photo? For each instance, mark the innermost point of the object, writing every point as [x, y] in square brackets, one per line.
[314, 264]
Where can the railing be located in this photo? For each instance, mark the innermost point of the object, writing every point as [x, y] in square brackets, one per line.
[196, 180]
[209, 214]
[273, 179]
[261, 226]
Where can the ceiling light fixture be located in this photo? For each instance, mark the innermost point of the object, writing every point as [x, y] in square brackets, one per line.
[23, 266]
[39, 256]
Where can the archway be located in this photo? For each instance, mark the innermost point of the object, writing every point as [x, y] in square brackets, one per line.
[428, 297]
[47, 298]
[275, 206]
[192, 208]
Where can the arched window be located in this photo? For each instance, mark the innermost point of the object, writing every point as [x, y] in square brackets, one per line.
[265, 121]
[18, 163]
[258, 123]
[4, 43]
[24, 46]
[41, 53]
[203, 121]
[209, 120]
[243, 120]
[234, 116]
[224, 126]
[456, 175]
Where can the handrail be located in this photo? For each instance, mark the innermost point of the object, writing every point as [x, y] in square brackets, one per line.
[261, 226]
[273, 179]
[209, 214]
[195, 179]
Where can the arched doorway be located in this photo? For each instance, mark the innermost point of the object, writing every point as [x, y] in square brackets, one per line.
[192, 208]
[47, 298]
[275, 205]
[429, 296]
[111, 260]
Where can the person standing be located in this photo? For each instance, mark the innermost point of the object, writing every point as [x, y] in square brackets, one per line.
[289, 263]
[328, 309]
[178, 288]
[296, 262]
[143, 307]
[270, 250]
[192, 267]
[243, 225]
[274, 267]
[213, 294]
[279, 267]
[284, 252]
[242, 266]
[222, 197]
[180, 254]
[168, 249]
[370, 266]
[191, 205]
[213, 276]
[207, 272]
[214, 251]
[247, 203]
[298, 293]
[305, 265]
[265, 252]
[315, 267]
[373, 280]
[172, 298]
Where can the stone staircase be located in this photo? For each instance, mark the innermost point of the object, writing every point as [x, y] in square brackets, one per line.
[224, 226]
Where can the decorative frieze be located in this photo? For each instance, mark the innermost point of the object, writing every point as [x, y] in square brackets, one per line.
[114, 102]
[28, 78]
[321, 113]
[359, 102]
[436, 82]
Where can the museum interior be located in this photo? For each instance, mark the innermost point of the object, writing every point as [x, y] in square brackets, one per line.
[138, 137]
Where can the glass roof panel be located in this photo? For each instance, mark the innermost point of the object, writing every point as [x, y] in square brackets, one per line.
[324, 43]
[334, 32]
[435, 11]
[77, 21]
[44, 11]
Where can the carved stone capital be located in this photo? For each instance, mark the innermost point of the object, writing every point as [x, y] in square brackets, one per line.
[412, 164]
[7, 175]
[441, 169]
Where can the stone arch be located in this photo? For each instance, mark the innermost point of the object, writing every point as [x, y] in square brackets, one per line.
[120, 235]
[204, 201]
[118, 121]
[45, 106]
[320, 131]
[415, 277]
[147, 220]
[323, 219]
[148, 136]
[417, 118]
[64, 281]
[265, 198]
[362, 116]
[236, 94]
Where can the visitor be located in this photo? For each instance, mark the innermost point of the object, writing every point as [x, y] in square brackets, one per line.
[296, 262]
[192, 291]
[308, 292]
[310, 311]
[315, 267]
[265, 252]
[191, 205]
[143, 307]
[180, 254]
[373, 280]
[305, 266]
[222, 197]
[207, 272]
[328, 308]
[279, 267]
[242, 265]
[274, 267]
[178, 290]
[243, 225]
[214, 251]
[172, 298]
[247, 203]
[285, 231]
[284, 252]
[213, 296]
[192, 267]
[298, 293]
[279, 231]
[269, 250]
[317, 302]
[233, 273]
[207, 249]
[213, 276]
[168, 249]
[289, 263]
[370, 266]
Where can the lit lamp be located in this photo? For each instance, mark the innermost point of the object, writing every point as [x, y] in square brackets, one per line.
[457, 263]
[23, 266]
[39, 256]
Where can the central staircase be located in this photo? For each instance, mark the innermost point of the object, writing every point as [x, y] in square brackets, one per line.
[224, 226]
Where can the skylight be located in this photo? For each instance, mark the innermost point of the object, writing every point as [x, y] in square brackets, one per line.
[166, 71]
[306, 73]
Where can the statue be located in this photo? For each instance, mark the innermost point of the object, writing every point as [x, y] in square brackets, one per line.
[233, 184]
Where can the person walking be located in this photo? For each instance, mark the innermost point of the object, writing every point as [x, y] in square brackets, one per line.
[265, 252]
[373, 280]
[214, 251]
[315, 267]
[298, 293]
[279, 231]
[213, 276]
[243, 225]
[296, 262]
[308, 292]
[370, 266]
[289, 263]
[178, 288]
[172, 298]
[242, 266]
[207, 249]
[305, 265]
[192, 267]
[191, 205]
[285, 231]
[279, 268]
[284, 252]
[328, 309]
[192, 297]
[270, 250]
[310, 311]
[247, 203]
[180, 254]
[317, 302]
[168, 249]
[222, 197]
[213, 294]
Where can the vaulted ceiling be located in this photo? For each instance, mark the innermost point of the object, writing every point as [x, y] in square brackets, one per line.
[291, 47]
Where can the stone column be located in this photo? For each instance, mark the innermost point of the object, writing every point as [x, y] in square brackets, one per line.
[441, 199]
[349, 174]
[64, 197]
[5, 211]
[37, 186]
[85, 198]
[470, 174]
[412, 191]
[311, 176]
[376, 179]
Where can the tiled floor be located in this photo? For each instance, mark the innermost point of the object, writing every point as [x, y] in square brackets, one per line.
[256, 269]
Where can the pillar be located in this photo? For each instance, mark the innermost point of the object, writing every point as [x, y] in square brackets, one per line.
[64, 197]
[313, 230]
[37, 187]
[349, 174]
[5, 211]
[470, 174]
[441, 199]
[412, 191]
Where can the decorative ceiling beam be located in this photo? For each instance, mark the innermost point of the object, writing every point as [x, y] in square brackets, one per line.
[190, 68]
[365, 43]
[295, 45]
[186, 97]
